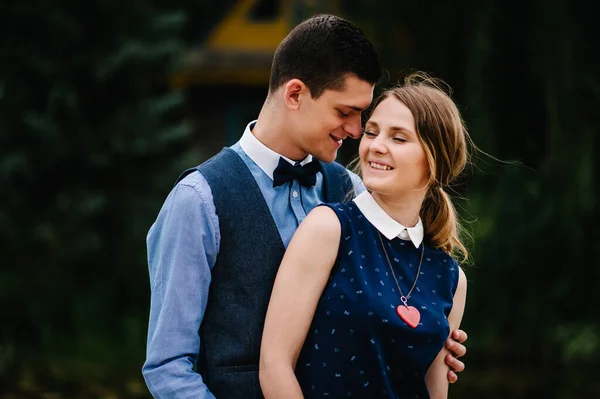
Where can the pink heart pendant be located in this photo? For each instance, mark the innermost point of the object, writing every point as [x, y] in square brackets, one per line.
[409, 314]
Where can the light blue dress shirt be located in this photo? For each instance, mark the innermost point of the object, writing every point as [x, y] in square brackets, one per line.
[183, 244]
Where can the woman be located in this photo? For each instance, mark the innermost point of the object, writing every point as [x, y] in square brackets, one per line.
[368, 290]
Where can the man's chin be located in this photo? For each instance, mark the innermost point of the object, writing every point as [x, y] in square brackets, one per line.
[327, 158]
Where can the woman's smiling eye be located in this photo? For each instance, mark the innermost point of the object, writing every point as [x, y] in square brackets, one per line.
[369, 133]
[342, 114]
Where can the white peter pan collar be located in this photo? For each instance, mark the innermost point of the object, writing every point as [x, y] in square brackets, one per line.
[384, 222]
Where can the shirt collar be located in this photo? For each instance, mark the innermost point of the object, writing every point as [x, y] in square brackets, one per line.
[384, 222]
[263, 156]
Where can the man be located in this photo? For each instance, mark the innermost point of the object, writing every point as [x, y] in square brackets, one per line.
[215, 247]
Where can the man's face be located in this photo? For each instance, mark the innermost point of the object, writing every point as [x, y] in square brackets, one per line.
[323, 123]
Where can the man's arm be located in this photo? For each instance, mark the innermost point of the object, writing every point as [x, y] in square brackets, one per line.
[182, 248]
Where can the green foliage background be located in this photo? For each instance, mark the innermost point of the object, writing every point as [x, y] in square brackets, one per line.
[92, 138]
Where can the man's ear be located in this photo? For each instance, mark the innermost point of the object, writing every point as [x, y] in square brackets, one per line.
[293, 92]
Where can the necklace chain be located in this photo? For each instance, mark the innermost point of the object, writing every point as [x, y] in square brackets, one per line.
[403, 298]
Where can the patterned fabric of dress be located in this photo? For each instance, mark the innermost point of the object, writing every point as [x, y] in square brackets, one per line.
[357, 345]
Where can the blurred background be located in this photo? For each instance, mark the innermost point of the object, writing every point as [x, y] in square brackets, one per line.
[104, 103]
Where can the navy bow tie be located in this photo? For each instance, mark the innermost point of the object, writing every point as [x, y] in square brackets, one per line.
[306, 175]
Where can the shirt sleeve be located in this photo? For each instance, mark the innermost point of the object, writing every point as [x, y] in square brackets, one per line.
[182, 248]
[359, 186]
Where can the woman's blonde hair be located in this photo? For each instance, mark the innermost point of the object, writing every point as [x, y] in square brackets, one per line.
[445, 140]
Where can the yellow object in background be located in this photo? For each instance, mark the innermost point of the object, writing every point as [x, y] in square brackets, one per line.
[240, 47]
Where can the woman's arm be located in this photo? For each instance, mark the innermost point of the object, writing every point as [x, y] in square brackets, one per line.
[302, 276]
[436, 378]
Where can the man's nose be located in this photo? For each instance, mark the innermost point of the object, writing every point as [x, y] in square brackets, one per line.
[353, 127]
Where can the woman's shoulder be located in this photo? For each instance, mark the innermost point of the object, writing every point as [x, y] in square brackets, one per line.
[345, 209]
[322, 216]
[320, 226]
[445, 264]
[351, 221]
[347, 212]
[441, 260]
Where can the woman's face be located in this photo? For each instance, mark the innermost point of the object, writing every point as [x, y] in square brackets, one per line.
[392, 158]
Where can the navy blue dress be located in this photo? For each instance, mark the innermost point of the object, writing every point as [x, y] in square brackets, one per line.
[357, 345]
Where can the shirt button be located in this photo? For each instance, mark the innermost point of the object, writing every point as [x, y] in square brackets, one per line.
[295, 194]
[404, 234]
